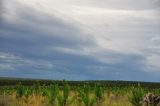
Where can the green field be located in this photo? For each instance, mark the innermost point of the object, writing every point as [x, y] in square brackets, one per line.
[30, 92]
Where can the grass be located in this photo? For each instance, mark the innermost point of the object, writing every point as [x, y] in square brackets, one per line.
[73, 95]
[39, 100]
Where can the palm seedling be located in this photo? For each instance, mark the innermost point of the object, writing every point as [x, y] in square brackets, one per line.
[53, 94]
[99, 93]
[137, 96]
[62, 100]
[37, 87]
[20, 90]
[27, 93]
[85, 96]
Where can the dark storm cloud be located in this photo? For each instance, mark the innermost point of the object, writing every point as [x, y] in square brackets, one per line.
[39, 43]
[34, 31]
[73, 67]
[30, 26]
[31, 36]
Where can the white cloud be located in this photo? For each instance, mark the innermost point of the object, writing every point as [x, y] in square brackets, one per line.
[9, 61]
[153, 60]
[6, 56]
[117, 28]
[123, 30]
[153, 55]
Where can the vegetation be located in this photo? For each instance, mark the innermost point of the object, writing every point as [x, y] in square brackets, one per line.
[62, 93]
[137, 96]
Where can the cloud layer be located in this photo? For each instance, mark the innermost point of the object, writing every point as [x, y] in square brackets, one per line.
[80, 40]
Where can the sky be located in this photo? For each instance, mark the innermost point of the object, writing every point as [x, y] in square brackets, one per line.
[80, 39]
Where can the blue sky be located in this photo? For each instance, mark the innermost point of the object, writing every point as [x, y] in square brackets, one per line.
[80, 39]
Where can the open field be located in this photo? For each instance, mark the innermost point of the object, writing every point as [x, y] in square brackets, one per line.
[25, 92]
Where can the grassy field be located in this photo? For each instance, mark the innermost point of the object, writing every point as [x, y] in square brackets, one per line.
[24, 92]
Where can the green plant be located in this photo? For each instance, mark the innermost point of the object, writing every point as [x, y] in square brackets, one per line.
[99, 93]
[20, 90]
[84, 92]
[63, 99]
[27, 92]
[37, 86]
[53, 94]
[79, 95]
[137, 96]
[66, 89]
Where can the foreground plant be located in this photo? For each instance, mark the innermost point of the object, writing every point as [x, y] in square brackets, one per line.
[53, 94]
[137, 96]
[36, 87]
[63, 99]
[84, 96]
[99, 93]
[20, 90]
